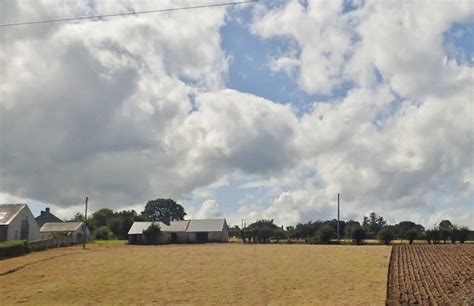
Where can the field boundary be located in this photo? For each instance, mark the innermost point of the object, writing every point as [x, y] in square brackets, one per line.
[387, 294]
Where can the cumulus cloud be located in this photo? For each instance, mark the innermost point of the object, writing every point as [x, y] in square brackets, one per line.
[129, 109]
[208, 210]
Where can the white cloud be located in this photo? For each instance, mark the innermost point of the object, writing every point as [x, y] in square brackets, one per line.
[208, 210]
[130, 109]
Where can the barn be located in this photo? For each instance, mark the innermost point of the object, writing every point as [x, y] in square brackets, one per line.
[208, 230]
[18, 223]
[186, 231]
[74, 230]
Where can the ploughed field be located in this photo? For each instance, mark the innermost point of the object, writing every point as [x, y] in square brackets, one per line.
[206, 274]
[431, 274]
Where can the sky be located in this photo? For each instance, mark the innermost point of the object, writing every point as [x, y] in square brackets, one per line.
[265, 110]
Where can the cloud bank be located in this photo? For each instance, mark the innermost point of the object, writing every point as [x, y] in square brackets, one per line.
[129, 109]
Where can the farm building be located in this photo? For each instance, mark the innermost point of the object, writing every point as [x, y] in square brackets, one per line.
[18, 223]
[46, 216]
[187, 231]
[75, 230]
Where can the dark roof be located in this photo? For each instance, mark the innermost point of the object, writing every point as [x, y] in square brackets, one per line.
[60, 227]
[46, 217]
[9, 211]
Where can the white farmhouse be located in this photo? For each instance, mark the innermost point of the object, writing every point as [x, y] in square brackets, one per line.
[18, 223]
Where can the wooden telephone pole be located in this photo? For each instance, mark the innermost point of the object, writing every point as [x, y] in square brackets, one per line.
[337, 216]
[85, 226]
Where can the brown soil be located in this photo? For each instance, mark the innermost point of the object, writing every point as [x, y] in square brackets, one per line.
[431, 275]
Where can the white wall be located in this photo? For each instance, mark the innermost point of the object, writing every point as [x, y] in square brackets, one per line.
[77, 235]
[14, 228]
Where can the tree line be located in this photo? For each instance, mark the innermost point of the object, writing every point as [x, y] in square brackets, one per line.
[373, 226]
[106, 224]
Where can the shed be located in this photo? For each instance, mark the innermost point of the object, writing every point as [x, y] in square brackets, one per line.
[18, 223]
[208, 230]
[185, 231]
[75, 230]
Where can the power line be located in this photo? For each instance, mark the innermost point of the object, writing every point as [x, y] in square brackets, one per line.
[126, 13]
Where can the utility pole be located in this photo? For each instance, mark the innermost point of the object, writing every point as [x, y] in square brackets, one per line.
[84, 226]
[337, 216]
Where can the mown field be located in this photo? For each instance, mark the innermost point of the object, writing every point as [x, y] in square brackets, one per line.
[198, 274]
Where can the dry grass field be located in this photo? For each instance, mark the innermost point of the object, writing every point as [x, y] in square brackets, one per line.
[212, 274]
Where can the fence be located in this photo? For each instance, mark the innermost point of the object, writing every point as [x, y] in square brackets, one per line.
[50, 243]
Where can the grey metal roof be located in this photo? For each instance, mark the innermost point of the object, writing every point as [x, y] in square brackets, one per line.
[138, 227]
[206, 225]
[60, 227]
[198, 225]
[9, 211]
[175, 226]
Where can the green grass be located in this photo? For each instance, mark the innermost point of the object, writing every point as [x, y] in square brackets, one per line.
[109, 242]
[11, 243]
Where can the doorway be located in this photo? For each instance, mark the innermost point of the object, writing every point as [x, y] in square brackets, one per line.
[202, 237]
[174, 238]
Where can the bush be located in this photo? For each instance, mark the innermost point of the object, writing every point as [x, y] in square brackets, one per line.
[312, 240]
[454, 235]
[152, 234]
[13, 248]
[358, 235]
[325, 234]
[445, 234]
[436, 235]
[412, 234]
[463, 233]
[386, 235]
[428, 236]
[103, 233]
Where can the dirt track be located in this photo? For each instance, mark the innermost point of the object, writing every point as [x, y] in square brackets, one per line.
[431, 274]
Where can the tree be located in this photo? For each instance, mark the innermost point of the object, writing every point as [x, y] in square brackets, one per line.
[262, 231]
[152, 234]
[121, 222]
[163, 210]
[101, 217]
[463, 233]
[444, 234]
[373, 224]
[403, 228]
[386, 235]
[411, 235]
[358, 235]
[351, 226]
[454, 234]
[445, 227]
[435, 235]
[235, 231]
[445, 224]
[280, 234]
[103, 233]
[428, 236]
[325, 234]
